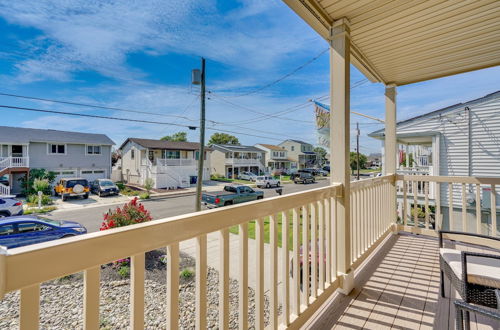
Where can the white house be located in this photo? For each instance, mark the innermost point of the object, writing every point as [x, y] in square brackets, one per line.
[300, 152]
[276, 158]
[459, 140]
[67, 154]
[169, 164]
[230, 160]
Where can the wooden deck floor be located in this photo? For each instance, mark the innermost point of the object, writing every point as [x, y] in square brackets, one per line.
[399, 289]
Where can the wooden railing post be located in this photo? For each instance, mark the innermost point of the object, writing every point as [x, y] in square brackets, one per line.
[390, 147]
[340, 45]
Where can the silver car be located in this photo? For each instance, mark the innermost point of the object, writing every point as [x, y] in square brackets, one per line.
[10, 206]
[247, 176]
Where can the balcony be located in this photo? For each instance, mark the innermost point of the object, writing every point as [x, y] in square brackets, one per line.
[394, 270]
[13, 162]
[243, 162]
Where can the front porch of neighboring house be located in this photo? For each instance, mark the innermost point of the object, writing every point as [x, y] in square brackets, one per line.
[172, 169]
[280, 165]
[238, 162]
[14, 164]
[307, 159]
[345, 226]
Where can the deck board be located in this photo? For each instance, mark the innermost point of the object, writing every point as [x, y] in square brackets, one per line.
[398, 289]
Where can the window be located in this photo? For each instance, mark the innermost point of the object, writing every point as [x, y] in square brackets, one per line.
[172, 154]
[57, 149]
[282, 154]
[26, 227]
[93, 150]
[6, 230]
[132, 154]
[293, 148]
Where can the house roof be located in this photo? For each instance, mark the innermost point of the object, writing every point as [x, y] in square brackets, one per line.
[27, 135]
[160, 144]
[459, 106]
[271, 147]
[235, 148]
[404, 42]
[296, 141]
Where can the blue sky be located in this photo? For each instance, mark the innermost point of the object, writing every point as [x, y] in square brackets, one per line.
[139, 55]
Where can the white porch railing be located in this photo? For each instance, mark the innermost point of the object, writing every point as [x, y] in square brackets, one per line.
[243, 161]
[4, 190]
[309, 215]
[176, 162]
[461, 203]
[7, 162]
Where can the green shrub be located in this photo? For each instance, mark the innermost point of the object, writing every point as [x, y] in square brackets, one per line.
[129, 192]
[41, 185]
[120, 185]
[148, 184]
[33, 200]
[124, 271]
[144, 195]
[187, 273]
[37, 173]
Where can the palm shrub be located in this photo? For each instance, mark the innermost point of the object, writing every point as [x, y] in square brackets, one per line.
[148, 184]
[37, 173]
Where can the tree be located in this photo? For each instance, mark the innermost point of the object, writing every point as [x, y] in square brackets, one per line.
[353, 160]
[176, 137]
[223, 138]
[321, 153]
[115, 157]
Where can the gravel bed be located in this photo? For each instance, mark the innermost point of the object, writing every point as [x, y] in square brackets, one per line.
[61, 302]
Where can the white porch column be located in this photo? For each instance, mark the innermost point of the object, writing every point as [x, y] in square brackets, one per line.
[340, 144]
[390, 143]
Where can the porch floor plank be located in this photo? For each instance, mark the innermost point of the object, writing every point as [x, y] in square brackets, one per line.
[398, 289]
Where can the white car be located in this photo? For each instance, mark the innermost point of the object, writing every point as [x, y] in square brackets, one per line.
[247, 176]
[267, 181]
[9, 206]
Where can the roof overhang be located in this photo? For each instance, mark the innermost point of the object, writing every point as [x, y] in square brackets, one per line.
[408, 138]
[403, 42]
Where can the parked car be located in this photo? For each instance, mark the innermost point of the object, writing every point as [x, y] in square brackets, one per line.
[323, 172]
[104, 187]
[26, 230]
[267, 181]
[303, 177]
[247, 176]
[71, 187]
[326, 168]
[10, 206]
[232, 194]
[4, 180]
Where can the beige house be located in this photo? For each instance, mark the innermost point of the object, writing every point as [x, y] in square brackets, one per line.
[231, 160]
[276, 158]
[169, 164]
[300, 152]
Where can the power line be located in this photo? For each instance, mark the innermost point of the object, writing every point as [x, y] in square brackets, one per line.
[130, 120]
[283, 77]
[92, 106]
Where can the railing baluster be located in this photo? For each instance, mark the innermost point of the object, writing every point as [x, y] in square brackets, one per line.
[478, 209]
[405, 203]
[328, 242]
[415, 204]
[296, 263]
[243, 276]
[137, 292]
[201, 282]
[305, 252]
[29, 314]
[224, 278]
[494, 230]
[91, 298]
[321, 245]
[333, 232]
[437, 213]
[273, 271]
[285, 267]
[259, 274]
[173, 286]
[464, 208]
[450, 206]
[314, 252]
[426, 205]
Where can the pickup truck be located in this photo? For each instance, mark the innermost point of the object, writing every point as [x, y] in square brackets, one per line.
[232, 194]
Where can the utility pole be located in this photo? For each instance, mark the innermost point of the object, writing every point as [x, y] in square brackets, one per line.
[357, 149]
[201, 156]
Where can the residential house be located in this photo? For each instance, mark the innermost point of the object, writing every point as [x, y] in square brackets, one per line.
[230, 160]
[300, 152]
[68, 154]
[170, 164]
[276, 158]
[459, 140]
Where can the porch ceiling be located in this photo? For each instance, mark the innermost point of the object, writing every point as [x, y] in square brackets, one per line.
[407, 41]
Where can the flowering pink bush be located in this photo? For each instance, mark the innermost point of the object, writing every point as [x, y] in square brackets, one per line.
[131, 213]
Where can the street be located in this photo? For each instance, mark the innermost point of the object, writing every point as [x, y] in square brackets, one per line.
[160, 208]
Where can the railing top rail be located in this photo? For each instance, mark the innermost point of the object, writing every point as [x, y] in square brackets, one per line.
[38, 263]
[366, 183]
[450, 179]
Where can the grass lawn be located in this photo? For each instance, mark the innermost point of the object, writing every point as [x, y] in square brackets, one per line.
[251, 230]
[368, 170]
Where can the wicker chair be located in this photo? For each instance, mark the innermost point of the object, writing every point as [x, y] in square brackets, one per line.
[461, 307]
[474, 275]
